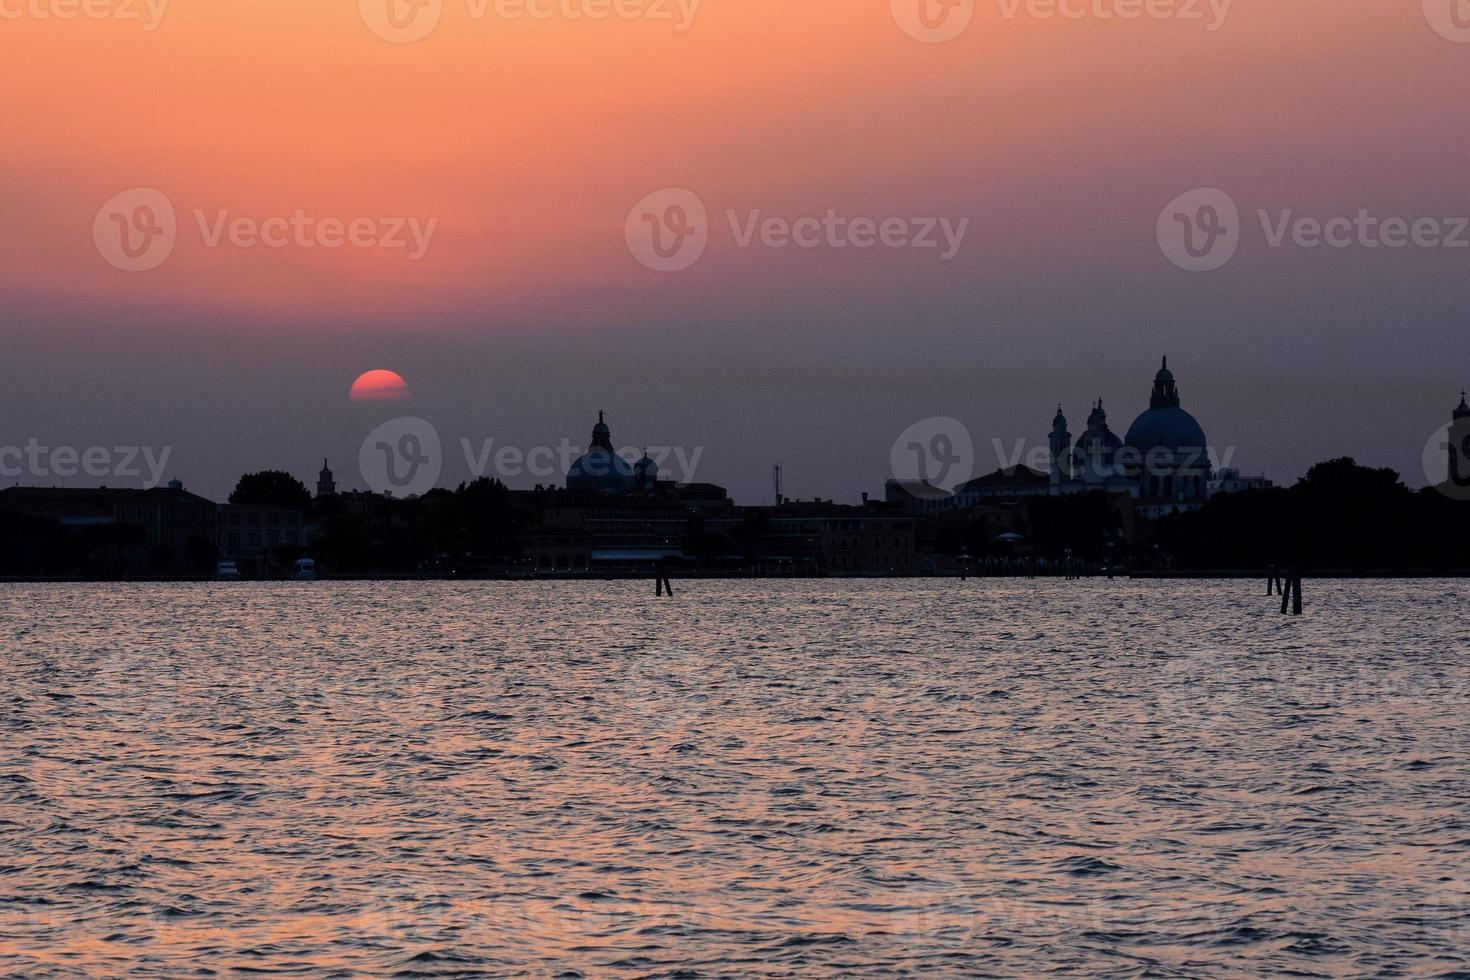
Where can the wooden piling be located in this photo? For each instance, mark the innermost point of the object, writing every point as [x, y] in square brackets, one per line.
[1290, 586]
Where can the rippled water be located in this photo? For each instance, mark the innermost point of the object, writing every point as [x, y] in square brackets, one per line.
[791, 778]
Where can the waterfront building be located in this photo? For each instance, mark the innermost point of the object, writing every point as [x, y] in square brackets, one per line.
[255, 530]
[1231, 481]
[170, 530]
[1163, 461]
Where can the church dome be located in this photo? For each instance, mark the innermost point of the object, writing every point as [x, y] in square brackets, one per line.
[1098, 432]
[601, 469]
[1169, 428]
[1165, 425]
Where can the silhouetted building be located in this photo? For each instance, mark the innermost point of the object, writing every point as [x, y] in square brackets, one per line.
[601, 469]
[326, 486]
[1230, 481]
[1457, 446]
[1006, 483]
[250, 530]
[174, 528]
[820, 537]
[1163, 461]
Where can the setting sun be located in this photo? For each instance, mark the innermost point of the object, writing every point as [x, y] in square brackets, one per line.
[379, 386]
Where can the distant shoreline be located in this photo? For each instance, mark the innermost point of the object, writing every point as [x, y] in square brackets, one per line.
[1168, 574]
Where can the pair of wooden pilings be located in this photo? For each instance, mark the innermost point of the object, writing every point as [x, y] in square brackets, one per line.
[661, 583]
[1289, 586]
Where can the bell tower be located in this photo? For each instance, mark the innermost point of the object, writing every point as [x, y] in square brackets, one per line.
[1166, 393]
[325, 484]
[1060, 443]
[1458, 443]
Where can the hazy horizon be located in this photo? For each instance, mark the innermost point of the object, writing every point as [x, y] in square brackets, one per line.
[520, 149]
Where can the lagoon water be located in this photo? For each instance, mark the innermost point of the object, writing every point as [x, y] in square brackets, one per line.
[805, 778]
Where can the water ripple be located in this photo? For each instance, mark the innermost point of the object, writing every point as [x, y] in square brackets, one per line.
[758, 778]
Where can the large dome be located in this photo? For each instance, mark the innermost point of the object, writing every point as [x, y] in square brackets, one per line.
[601, 469]
[1165, 425]
[1170, 428]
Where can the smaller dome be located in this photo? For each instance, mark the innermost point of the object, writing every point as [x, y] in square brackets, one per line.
[1061, 420]
[1107, 439]
[646, 466]
[1164, 373]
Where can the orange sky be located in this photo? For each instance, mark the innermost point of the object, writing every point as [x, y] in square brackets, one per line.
[525, 143]
[529, 139]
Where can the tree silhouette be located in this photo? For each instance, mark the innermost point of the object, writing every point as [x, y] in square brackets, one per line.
[271, 488]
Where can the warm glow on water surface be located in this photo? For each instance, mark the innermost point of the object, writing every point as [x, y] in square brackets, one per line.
[804, 778]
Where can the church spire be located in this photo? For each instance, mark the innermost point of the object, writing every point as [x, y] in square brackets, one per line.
[326, 486]
[1166, 394]
[601, 434]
